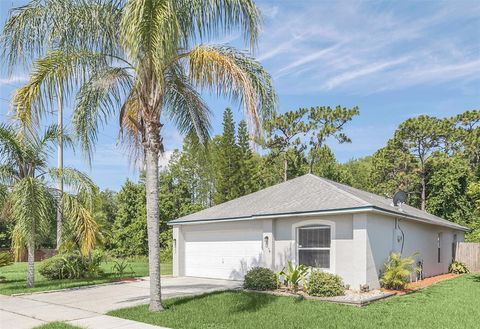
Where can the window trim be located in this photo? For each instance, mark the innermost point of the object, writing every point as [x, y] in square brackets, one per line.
[314, 223]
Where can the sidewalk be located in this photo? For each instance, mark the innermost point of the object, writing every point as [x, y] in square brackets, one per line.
[22, 313]
[86, 306]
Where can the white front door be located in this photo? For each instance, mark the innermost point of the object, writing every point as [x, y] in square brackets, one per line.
[222, 254]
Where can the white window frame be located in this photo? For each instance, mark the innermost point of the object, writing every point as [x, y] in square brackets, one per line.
[313, 223]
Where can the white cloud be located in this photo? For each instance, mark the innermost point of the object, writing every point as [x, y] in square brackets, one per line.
[365, 47]
[15, 79]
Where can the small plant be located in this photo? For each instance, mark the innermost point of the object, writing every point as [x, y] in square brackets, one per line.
[397, 271]
[324, 284]
[458, 267]
[120, 267]
[293, 275]
[260, 278]
[6, 259]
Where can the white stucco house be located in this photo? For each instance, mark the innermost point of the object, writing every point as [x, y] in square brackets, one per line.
[313, 221]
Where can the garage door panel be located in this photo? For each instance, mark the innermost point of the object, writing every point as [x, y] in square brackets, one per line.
[222, 254]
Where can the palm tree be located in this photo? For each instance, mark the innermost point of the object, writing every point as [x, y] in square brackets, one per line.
[138, 59]
[28, 197]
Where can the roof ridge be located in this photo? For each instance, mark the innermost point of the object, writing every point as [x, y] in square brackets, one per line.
[350, 195]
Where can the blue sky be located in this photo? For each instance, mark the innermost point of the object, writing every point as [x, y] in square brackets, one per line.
[393, 59]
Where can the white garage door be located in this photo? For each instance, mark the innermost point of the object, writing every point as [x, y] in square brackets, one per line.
[222, 254]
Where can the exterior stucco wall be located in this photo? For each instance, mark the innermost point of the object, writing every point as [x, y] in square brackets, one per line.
[342, 246]
[361, 243]
[418, 238]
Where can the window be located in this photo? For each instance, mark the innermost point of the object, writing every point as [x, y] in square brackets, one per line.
[314, 246]
[439, 236]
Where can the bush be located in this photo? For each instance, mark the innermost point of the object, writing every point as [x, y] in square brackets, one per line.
[458, 267]
[260, 278]
[71, 266]
[324, 284]
[397, 271]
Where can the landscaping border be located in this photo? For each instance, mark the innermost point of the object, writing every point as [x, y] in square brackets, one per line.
[336, 300]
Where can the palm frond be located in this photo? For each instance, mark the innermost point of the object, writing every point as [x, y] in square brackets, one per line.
[84, 225]
[45, 24]
[10, 147]
[208, 18]
[32, 206]
[96, 101]
[184, 105]
[59, 69]
[75, 180]
[231, 73]
[150, 32]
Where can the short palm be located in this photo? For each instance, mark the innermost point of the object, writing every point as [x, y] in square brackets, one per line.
[136, 59]
[28, 197]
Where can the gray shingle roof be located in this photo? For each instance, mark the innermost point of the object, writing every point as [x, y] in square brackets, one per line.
[305, 194]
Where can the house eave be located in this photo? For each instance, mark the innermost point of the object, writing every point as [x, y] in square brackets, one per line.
[324, 212]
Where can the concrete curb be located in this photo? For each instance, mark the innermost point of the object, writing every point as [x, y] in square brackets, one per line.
[359, 303]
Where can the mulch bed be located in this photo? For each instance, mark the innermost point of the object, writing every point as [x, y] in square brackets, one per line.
[423, 283]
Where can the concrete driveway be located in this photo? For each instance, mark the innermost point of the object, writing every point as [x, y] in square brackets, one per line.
[85, 306]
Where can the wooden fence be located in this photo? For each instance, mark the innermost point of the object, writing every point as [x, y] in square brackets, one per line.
[468, 253]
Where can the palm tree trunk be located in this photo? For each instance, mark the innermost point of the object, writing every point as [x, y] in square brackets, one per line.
[153, 226]
[60, 167]
[31, 264]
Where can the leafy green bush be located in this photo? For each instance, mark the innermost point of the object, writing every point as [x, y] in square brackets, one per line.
[397, 271]
[6, 258]
[293, 275]
[260, 278]
[458, 267]
[71, 266]
[325, 284]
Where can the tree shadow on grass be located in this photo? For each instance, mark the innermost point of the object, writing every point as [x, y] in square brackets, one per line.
[252, 302]
[169, 303]
[475, 278]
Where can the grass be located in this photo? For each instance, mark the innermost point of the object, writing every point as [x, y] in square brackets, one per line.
[57, 325]
[450, 304]
[15, 277]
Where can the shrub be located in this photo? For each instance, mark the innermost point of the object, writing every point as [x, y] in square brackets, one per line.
[458, 267]
[325, 285]
[71, 266]
[6, 258]
[397, 271]
[260, 278]
[294, 274]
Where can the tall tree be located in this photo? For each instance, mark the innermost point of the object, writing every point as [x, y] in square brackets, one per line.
[24, 171]
[283, 136]
[129, 230]
[247, 164]
[325, 122]
[393, 169]
[422, 136]
[227, 162]
[467, 132]
[135, 58]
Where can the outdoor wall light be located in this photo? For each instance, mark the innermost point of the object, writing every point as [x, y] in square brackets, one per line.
[174, 245]
[265, 239]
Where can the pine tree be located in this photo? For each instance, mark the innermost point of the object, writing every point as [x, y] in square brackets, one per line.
[246, 163]
[226, 162]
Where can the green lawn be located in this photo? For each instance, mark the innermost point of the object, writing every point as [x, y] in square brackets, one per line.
[450, 304]
[57, 325]
[15, 277]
